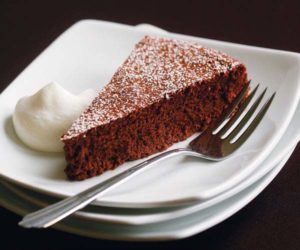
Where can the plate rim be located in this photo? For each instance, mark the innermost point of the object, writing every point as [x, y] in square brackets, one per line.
[163, 217]
[180, 233]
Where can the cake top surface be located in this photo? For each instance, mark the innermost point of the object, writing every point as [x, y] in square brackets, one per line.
[155, 69]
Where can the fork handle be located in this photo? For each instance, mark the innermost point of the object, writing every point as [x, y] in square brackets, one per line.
[54, 213]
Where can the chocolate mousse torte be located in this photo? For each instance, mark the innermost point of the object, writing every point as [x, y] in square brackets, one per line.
[165, 91]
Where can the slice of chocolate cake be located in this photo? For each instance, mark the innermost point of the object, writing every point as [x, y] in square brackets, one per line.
[164, 92]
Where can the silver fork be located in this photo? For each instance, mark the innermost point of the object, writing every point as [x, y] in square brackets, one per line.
[209, 145]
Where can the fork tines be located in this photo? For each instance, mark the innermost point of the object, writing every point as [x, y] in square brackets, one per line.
[222, 139]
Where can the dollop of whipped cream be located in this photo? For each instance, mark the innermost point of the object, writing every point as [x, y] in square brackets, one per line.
[41, 119]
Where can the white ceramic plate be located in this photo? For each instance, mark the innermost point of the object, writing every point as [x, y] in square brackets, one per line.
[175, 229]
[146, 216]
[86, 55]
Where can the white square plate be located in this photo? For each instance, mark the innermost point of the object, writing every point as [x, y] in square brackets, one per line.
[86, 56]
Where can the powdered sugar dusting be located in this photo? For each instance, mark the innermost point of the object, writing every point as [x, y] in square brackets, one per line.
[156, 69]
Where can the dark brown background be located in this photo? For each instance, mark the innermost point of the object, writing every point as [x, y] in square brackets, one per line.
[272, 220]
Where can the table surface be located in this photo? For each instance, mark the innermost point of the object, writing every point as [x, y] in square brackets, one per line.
[272, 220]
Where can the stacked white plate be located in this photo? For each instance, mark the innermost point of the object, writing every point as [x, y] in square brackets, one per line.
[174, 199]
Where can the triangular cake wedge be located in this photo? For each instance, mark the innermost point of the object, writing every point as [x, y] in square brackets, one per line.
[164, 92]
